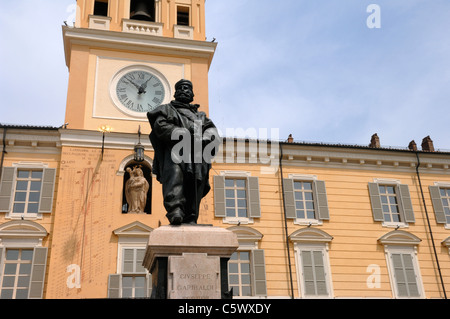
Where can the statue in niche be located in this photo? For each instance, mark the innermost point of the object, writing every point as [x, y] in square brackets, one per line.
[136, 190]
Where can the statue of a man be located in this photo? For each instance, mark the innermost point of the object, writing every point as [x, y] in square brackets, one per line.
[136, 190]
[184, 177]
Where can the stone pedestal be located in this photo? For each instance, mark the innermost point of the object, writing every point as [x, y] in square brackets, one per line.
[190, 262]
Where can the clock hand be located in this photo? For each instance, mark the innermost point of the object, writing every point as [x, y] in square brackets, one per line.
[137, 86]
[143, 87]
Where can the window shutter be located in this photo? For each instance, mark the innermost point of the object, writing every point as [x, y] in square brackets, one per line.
[405, 197]
[437, 205]
[114, 283]
[253, 197]
[259, 273]
[375, 201]
[149, 285]
[314, 277]
[219, 196]
[405, 275]
[38, 273]
[321, 200]
[289, 199]
[6, 188]
[47, 190]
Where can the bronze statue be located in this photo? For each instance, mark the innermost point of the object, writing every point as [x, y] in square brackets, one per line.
[136, 190]
[184, 141]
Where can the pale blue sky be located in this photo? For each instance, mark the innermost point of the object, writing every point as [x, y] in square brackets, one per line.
[308, 67]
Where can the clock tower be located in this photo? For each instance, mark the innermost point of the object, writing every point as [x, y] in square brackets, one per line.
[125, 56]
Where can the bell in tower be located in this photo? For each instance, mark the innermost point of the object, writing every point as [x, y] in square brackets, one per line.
[142, 10]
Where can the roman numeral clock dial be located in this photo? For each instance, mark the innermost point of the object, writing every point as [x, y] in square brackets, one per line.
[140, 91]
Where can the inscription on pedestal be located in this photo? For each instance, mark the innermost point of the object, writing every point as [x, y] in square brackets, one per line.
[194, 276]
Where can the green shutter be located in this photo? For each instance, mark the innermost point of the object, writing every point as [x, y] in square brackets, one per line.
[47, 190]
[437, 205]
[375, 201]
[114, 283]
[289, 199]
[6, 189]
[405, 197]
[219, 196]
[321, 200]
[259, 273]
[38, 269]
[253, 197]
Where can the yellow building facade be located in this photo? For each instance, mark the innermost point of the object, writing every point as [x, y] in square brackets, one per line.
[312, 220]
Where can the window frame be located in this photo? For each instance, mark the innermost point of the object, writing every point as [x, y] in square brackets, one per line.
[47, 174]
[313, 246]
[319, 214]
[18, 262]
[306, 179]
[403, 223]
[235, 188]
[440, 186]
[28, 235]
[248, 239]
[391, 250]
[253, 200]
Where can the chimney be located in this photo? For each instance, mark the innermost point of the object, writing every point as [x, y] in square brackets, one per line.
[375, 141]
[290, 139]
[427, 144]
[412, 146]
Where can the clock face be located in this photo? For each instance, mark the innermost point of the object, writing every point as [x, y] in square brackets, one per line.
[140, 91]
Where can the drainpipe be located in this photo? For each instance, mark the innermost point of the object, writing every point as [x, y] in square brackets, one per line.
[429, 226]
[285, 222]
[3, 152]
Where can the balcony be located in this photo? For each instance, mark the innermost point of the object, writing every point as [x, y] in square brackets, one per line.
[142, 27]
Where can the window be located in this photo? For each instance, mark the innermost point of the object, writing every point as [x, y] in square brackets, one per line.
[391, 212]
[28, 188]
[445, 195]
[313, 267]
[313, 272]
[183, 15]
[305, 200]
[101, 8]
[236, 198]
[15, 280]
[402, 263]
[404, 274]
[26, 191]
[239, 276]
[246, 267]
[391, 203]
[132, 279]
[440, 196]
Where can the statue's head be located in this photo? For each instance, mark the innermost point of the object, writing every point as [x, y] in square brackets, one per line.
[184, 91]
